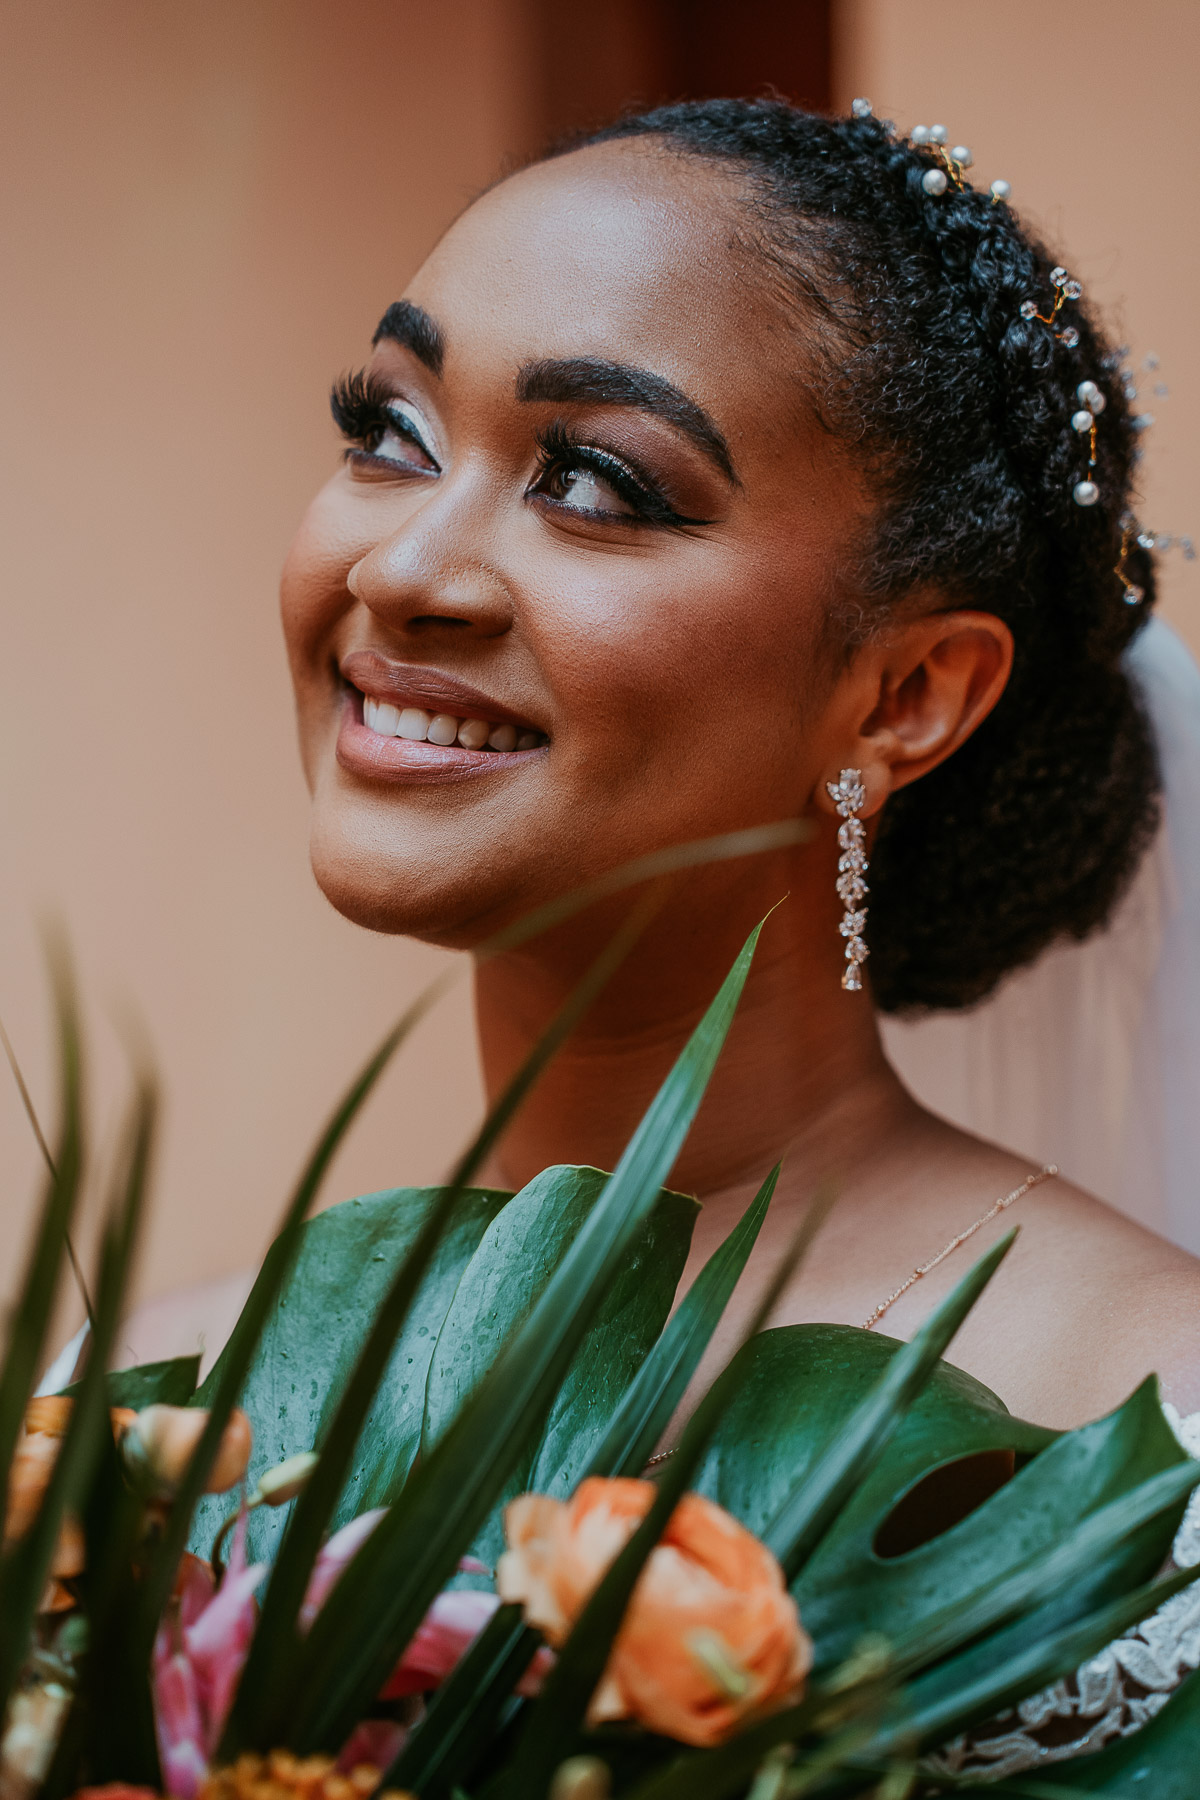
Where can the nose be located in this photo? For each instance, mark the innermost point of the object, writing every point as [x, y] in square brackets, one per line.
[420, 583]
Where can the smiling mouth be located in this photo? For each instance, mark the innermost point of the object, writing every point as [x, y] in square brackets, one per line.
[417, 726]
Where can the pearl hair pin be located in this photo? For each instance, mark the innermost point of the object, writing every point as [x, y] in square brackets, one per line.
[935, 181]
[948, 172]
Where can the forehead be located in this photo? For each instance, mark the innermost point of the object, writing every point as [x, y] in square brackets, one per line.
[627, 250]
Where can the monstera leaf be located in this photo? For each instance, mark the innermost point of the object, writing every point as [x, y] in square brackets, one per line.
[490, 1268]
[170, 1383]
[801, 1382]
[347, 1259]
[515, 1259]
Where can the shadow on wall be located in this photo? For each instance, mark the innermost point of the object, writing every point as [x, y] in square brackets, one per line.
[593, 63]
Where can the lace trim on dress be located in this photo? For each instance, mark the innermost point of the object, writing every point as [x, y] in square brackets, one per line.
[1114, 1694]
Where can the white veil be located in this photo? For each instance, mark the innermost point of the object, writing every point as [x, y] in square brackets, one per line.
[1091, 1058]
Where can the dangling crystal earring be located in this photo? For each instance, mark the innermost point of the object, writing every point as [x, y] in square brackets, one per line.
[849, 796]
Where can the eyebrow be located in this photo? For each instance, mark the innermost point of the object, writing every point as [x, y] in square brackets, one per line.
[404, 323]
[620, 384]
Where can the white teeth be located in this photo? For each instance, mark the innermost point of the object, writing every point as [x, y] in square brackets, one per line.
[419, 726]
[443, 729]
[380, 716]
[413, 723]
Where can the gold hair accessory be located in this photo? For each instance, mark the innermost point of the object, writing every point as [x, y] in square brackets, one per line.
[954, 161]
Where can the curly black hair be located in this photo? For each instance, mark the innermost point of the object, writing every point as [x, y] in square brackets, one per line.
[961, 407]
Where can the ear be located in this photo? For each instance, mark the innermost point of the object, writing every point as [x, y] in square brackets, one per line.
[909, 699]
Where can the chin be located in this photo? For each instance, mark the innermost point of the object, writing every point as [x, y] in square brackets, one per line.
[403, 891]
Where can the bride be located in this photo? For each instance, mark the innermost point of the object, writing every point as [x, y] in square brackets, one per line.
[698, 465]
[733, 455]
[739, 465]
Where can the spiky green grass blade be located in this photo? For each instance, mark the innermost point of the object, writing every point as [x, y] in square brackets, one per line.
[463, 1712]
[928, 1712]
[465, 1708]
[659, 1386]
[263, 1700]
[384, 1593]
[35, 1125]
[85, 1445]
[25, 1350]
[818, 1497]
[955, 1695]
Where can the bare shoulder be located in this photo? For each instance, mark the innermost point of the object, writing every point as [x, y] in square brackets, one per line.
[1099, 1303]
[190, 1320]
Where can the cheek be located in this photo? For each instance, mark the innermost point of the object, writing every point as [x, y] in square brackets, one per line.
[312, 589]
[684, 654]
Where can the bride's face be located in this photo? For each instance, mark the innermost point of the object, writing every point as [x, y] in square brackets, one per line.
[588, 526]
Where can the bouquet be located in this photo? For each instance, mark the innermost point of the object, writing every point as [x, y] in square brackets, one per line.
[407, 1537]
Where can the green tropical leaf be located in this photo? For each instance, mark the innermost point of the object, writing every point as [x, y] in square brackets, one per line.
[384, 1593]
[818, 1496]
[347, 1260]
[768, 1440]
[509, 1272]
[170, 1383]
[1056, 1570]
[650, 1401]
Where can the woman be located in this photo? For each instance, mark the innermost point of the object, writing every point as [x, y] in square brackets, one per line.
[699, 464]
[733, 466]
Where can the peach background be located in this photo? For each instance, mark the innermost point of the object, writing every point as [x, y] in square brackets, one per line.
[205, 210]
[1088, 108]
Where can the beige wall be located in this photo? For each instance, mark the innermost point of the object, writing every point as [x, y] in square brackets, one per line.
[205, 210]
[1088, 108]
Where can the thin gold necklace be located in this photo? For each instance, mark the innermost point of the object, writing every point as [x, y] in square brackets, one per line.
[994, 1211]
[1001, 1205]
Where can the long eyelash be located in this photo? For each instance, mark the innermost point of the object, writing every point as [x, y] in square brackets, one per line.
[359, 403]
[559, 448]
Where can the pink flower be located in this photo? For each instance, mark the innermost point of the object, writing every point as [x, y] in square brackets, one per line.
[332, 1559]
[202, 1647]
[198, 1657]
[450, 1626]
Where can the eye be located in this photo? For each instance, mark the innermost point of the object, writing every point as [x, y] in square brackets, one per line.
[580, 487]
[381, 428]
[399, 436]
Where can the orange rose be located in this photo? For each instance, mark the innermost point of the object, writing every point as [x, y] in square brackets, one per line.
[36, 1453]
[164, 1436]
[161, 1440]
[711, 1634]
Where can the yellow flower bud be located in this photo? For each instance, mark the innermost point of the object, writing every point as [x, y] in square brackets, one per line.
[581, 1778]
[287, 1479]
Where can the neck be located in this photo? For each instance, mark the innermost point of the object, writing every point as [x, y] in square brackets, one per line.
[802, 1070]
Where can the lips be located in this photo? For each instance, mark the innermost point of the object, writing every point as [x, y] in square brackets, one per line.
[406, 723]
